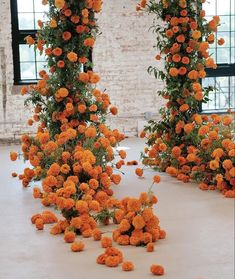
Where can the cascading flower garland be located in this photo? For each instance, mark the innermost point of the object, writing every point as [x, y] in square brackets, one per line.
[72, 152]
[184, 143]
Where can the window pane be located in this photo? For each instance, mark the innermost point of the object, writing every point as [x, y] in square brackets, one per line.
[225, 23]
[40, 58]
[223, 97]
[25, 5]
[26, 21]
[209, 7]
[27, 53]
[223, 8]
[27, 70]
[232, 39]
[39, 7]
[233, 55]
[223, 55]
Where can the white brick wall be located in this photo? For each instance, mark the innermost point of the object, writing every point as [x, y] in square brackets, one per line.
[122, 55]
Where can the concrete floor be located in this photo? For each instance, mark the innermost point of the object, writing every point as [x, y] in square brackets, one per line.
[199, 243]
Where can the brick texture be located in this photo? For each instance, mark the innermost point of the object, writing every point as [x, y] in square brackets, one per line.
[122, 54]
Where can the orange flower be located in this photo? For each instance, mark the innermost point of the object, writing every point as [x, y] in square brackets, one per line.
[188, 128]
[193, 75]
[138, 222]
[97, 234]
[112, 261]
[29, 40]
[182, 71]
[156, 179]
[184, 107]
[77, 246]
[174, 21]
[84, 77]
[174, 72]
[210, 63]
[185, 60]
[59, 4]
[69, 236]
[221, 41]
[176, 151]
[13, 156]
[72, 56]
[139, 172]
[89, 42]
[169, 33]
[90, 132]
[39, 223]
[214, 165]
[57, 51]
[227, 164]
[82, 206]
[157, 270]
[127, 266]
[150, 247]
[196, 34]
[180, 38]
[106, 242]
[176, 58]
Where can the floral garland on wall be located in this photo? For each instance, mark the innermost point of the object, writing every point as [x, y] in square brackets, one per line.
[72, 152]
[184, 143]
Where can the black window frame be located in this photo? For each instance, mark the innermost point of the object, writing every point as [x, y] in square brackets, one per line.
[222, 70]
[18, 38]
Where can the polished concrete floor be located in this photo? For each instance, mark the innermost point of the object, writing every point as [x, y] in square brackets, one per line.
[199, 243]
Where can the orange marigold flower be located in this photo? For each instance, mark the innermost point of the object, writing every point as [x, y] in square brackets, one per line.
[133, 205]
[14, 174]
[127, 266]
[138, 222]
[156, 179]
[150, 247]
[89, 42]
[229, 194]
[106, 242]
[84, 77]
[57, 51]
[82, 206]
[39, 223]
[184, 107]
[227, 164]
[112, 261]
[214, 165]
[13, 156]
[77, 246]
[139, 172]
[174, 72]
[221, 41]
[196, 34]
[59, 4]
[97, 234]
[203, 130]
[176, 58]
[157, 270]
[162, 147]
[72, 56]
[69, 236]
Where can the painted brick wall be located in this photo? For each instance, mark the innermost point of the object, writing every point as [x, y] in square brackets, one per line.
[122, 55]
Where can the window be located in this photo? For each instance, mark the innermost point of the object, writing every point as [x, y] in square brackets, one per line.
[27, 62]
[222, 79]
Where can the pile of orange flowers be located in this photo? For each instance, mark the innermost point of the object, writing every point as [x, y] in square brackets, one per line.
[73, 151]
[184, 143]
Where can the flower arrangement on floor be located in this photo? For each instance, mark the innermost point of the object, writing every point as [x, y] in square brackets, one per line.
[72, 152]
[184, 143]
